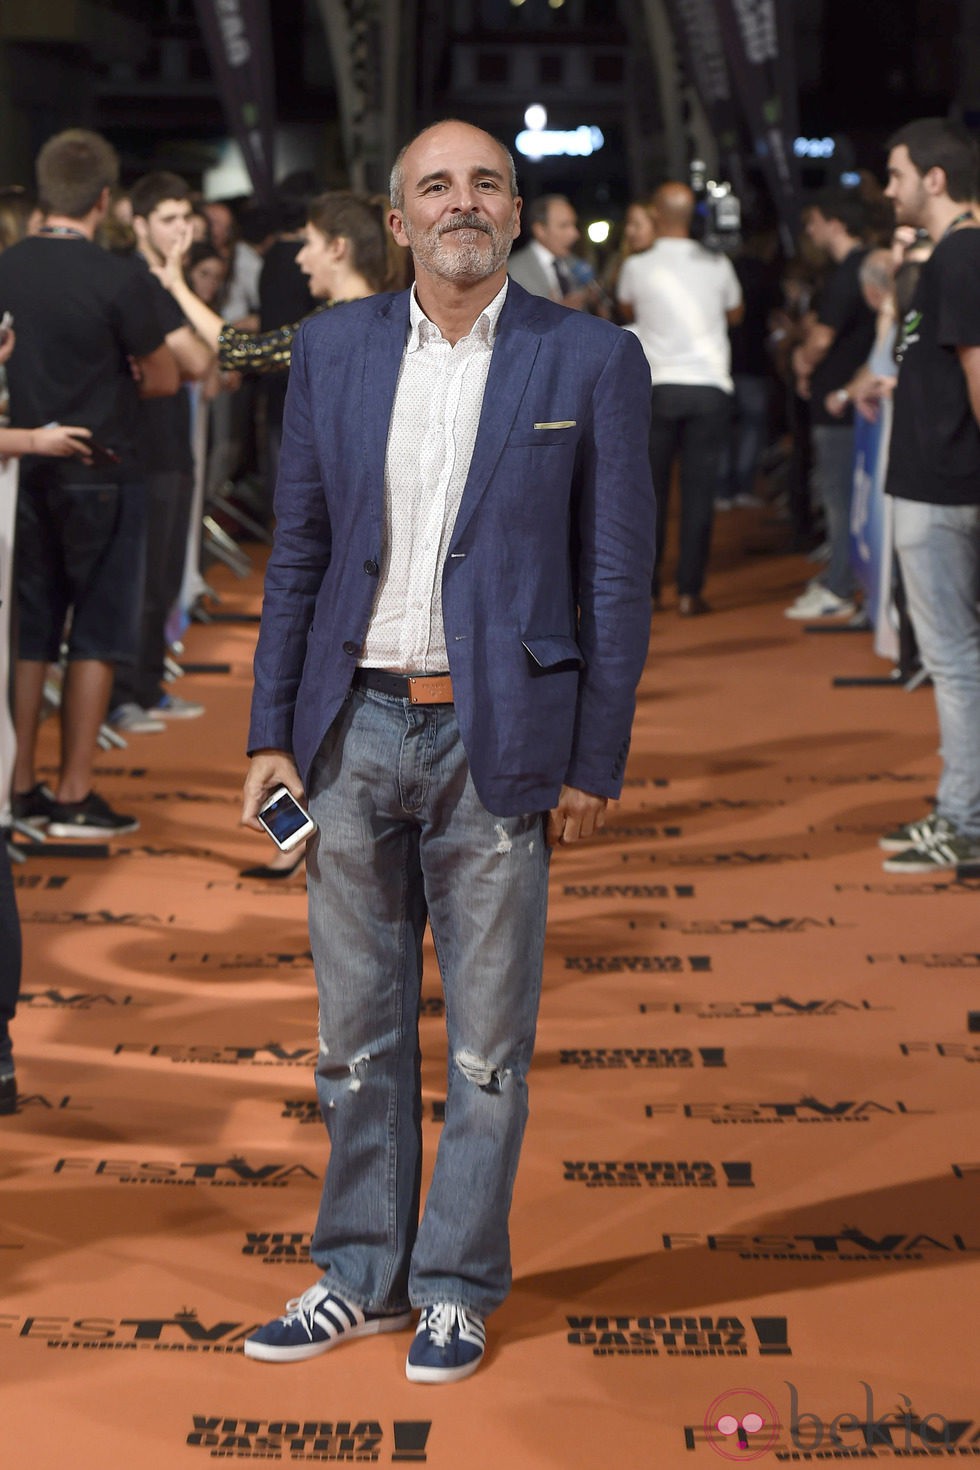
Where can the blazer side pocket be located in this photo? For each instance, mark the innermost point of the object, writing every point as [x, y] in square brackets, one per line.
[553, 650]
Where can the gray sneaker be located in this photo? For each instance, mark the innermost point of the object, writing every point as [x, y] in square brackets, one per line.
[910, 834]
[943, 847]
[172, 707]
[132, 719]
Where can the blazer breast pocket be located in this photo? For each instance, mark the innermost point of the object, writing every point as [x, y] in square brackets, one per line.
[542, 433]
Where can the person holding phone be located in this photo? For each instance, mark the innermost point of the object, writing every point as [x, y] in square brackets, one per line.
[61, 441]
[456, 615]
[85, 319]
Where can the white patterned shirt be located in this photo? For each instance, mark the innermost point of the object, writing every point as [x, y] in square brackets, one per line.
[434, 419]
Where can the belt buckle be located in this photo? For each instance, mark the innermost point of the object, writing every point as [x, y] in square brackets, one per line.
[429, 689]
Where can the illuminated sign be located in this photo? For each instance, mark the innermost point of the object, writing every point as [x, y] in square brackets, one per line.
[579, 142]
[814, 147]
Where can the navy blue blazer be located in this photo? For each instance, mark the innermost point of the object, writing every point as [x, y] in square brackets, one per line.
[546, 586]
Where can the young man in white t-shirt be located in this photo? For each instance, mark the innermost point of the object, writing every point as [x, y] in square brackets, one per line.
[681, 300]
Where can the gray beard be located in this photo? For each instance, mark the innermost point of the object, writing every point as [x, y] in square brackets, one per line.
[459, 262]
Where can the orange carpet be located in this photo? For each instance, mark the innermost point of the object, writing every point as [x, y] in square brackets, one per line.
[746, 1221]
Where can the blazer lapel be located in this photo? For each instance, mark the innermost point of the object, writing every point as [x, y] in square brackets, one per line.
[513, 356]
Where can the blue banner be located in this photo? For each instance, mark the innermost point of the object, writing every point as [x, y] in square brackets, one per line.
[871, 541]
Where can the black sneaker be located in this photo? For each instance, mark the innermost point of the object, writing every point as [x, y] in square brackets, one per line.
[941, 847]
[92, 817]
[8, 1095]
[910, 834]
[33, 806]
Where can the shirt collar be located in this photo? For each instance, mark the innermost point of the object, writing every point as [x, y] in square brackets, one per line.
[545, 256]
[421, 330]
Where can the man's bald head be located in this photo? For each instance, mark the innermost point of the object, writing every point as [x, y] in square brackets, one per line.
[451, 126]
[673, 206]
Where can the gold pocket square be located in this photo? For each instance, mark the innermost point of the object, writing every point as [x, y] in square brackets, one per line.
[558, 424]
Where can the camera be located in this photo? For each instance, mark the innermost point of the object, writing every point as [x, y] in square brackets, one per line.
[717, 221]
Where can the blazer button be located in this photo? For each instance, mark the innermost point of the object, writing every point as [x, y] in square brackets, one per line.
[350, 647]
[371, 567]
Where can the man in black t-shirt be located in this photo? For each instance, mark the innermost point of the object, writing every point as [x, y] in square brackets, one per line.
[835, 346]
[140, 704]
[85, 321]
[934, 474]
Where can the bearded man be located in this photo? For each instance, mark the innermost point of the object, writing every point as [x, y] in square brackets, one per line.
[456, 617]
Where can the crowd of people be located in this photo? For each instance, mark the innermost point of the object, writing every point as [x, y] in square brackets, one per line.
[756, 363]
[414, 585]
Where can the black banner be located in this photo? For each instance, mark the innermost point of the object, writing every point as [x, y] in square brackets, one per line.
[699, 37]
[238, 38]
[757, 37]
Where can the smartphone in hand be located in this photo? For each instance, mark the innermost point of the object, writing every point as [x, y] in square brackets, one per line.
[101, 454]
[285, 820]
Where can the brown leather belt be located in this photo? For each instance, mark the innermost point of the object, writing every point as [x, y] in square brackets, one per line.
[416, 688]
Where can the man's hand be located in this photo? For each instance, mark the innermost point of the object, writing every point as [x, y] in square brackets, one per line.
[578, 814]
[268, 769]
[868, 396]
[801, 372]
[63, 441]
[170, 272]
[903, 239]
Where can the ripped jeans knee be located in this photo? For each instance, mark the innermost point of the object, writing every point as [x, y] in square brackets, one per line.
[480, 1072]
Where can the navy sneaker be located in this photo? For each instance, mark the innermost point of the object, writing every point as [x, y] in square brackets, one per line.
[315, 1322]
[449, 1345]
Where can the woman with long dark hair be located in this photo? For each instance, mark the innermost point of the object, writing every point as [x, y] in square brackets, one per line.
[347, 254]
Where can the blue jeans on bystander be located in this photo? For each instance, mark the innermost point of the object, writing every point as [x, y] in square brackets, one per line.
[939, 550]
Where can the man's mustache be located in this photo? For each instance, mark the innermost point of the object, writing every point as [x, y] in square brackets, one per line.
[466, 222]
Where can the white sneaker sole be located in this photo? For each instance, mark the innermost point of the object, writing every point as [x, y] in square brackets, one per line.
[818, 615]
[417, 1374]
[66, 831]
[926, 865]
[267, 1353]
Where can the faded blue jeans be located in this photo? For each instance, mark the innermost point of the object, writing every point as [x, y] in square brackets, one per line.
[939, 550]
[403, 836]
